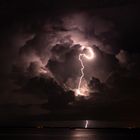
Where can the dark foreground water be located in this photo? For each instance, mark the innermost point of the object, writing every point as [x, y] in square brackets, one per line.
[69, 134]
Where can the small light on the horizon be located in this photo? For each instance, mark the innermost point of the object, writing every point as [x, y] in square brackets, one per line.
[40, 126]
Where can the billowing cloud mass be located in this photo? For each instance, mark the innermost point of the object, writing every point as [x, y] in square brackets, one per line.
[42, 68]
[57, 46]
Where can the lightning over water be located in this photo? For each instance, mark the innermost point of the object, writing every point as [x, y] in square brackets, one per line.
[86, 125]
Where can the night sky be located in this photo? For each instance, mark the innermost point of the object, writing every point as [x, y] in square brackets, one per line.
[40, 42]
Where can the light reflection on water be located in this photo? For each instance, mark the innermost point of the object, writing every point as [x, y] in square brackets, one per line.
[82, 134]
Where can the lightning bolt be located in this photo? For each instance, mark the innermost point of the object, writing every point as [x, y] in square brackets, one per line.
[82, 70]
[88, 56]
[86, 125]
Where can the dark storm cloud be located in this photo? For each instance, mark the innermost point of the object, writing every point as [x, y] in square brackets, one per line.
[40, 63]
[47, 88]
[65, 61]
[54, 46]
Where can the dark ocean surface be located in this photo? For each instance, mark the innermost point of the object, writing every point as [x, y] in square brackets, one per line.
[71, 130]
[69, 134]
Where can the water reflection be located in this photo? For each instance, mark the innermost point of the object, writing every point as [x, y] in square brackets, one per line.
[83, 134]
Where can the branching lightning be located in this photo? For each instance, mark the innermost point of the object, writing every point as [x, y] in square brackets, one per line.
[89, 55]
